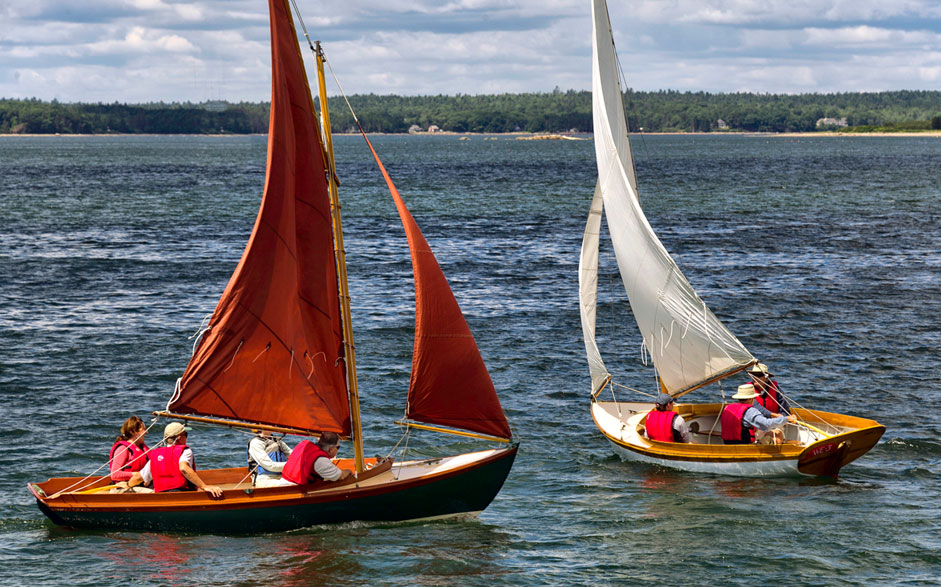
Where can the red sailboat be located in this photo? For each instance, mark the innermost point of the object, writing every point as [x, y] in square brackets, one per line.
[278, 355]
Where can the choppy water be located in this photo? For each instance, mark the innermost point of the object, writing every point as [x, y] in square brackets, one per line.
[823, 255]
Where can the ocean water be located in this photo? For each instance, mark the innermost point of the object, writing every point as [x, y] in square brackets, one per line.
[822, 254]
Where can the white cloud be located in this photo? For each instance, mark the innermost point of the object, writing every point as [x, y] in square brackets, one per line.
[140, 40]
[141, 50]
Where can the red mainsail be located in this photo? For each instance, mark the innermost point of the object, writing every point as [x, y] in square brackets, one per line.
[450, 384]
[274, 351]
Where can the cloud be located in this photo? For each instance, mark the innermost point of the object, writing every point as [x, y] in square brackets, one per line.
[171, 50]
[141, 40]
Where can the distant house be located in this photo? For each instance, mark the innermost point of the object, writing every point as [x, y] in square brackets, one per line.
[822, 122]
[414, 129]
[434, 128]
[721, 124]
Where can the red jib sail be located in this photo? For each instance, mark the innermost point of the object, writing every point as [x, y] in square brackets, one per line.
[274, 350]
[450, 384]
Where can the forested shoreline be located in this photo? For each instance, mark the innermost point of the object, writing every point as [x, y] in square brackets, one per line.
[551, 112]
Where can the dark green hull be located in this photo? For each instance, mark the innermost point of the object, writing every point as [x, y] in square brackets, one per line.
[465, 490]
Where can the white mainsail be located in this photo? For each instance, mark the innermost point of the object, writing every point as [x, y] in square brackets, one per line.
[688, 344]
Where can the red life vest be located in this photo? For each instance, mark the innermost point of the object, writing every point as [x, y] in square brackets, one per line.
[660, 425]
[734, 430]
[136, 456]
[769, 398]
[165, 468]
[300, 466]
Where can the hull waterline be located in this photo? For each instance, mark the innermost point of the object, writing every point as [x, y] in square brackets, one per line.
[463, 485]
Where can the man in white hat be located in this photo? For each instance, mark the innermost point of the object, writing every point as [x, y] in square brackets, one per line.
[173, 467]
[769, 395]
[745, 423]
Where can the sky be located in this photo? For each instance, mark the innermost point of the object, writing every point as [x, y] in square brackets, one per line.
[135, 51]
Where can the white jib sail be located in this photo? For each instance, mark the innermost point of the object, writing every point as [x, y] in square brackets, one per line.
[588, 291]
[688, 344]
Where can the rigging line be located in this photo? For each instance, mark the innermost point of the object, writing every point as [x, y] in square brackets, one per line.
[622, 386]
[106, 464]
[721, 408]
[617, 404]
[404, 434]
[342, 93]
[406, 437]
[622, 79]
[795, 403]
[297, 12]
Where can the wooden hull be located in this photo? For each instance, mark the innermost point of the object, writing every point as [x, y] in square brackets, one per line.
[461, 485]
[805, 452]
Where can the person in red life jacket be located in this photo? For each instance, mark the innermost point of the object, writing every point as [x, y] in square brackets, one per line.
[173, 467]
[311, 462]
[769, 395]
[129, 452]
[745, 423]
[664, 424]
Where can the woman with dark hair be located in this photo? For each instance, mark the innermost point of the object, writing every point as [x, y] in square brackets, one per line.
[129, 452]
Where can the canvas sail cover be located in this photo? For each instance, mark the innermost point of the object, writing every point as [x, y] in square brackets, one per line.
[274, 351]
[688, 344]
[450, 384]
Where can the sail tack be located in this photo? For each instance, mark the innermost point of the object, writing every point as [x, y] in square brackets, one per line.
[274, 351]
[688, 344]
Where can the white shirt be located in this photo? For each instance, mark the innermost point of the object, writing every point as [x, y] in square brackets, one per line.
[185, 457]
[256, 448]
[326, 469]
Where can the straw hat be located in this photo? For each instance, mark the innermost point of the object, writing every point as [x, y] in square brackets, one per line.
[173, 429]
[745, 391]
[759, 370]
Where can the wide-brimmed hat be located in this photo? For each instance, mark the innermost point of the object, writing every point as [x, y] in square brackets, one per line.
[745, 391]
[174, 429]
[759, 370]
[664, 399]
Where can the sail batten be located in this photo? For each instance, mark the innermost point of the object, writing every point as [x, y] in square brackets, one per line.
[661, 298]
[281, 306]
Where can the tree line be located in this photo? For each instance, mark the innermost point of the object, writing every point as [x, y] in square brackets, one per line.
[557, 111]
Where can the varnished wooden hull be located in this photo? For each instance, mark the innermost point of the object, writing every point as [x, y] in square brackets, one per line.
[431, 488]
[806, 453]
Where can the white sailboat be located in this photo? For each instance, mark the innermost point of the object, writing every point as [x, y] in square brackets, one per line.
[689, 345]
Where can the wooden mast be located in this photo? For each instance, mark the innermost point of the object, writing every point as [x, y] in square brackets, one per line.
[349, 346]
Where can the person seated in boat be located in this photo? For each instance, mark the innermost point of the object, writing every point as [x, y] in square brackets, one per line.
[769, 395]
[664, 424]
[266, 458]
[173, 467]
[129, 451]
[311, 462]
[746, 423]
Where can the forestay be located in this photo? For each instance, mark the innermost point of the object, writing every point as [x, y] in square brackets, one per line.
[688, 344]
